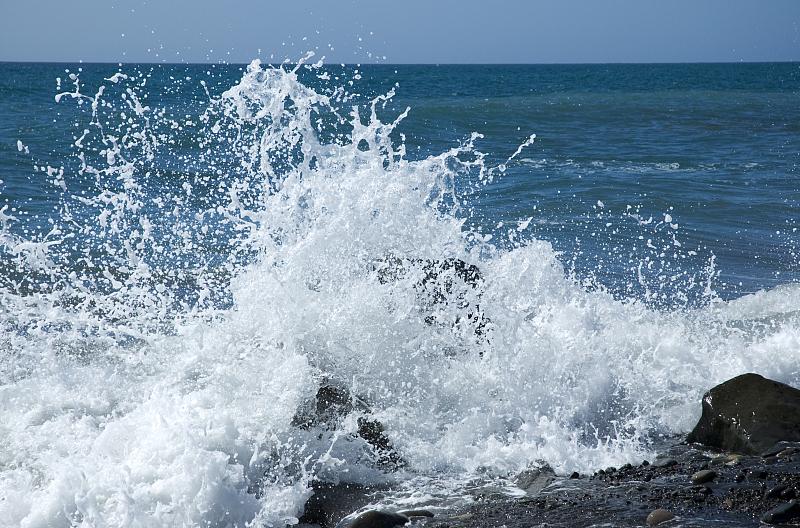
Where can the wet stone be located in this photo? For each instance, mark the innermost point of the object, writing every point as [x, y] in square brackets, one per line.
[665, 462]
[659, 516]
[775, 491]
[782, 513]
[378, 519]
[706, 475]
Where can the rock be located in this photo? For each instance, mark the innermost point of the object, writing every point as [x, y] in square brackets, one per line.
[701, 477]
[664, 462]
[332, 502]
[781, 449]
[733, 460]
[378, 519]
[575, 475]
[533, 481]
[331, 404]
[782, 513]
[659, 516]
[447, 281]
[373, 432]
[748, 414]
[416, 513]
[775, 491]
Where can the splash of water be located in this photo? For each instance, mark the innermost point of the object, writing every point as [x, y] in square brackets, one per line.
[162, 336]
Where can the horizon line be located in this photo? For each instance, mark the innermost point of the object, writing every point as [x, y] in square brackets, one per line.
[361, 64]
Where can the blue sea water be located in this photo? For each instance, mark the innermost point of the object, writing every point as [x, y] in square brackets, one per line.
[189, 253]
[715, 146]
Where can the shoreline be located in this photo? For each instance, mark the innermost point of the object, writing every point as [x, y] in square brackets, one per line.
[738, 467]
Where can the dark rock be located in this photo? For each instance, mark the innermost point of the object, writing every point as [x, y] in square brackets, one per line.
[665, 462]
[782, 449]
[447, 281]
[775, 491]
[378, 519]
[748, 414]
[575, 475]
[332, 402]
[332, 502]
[372, 431]
[533, 481]
[783, 513]
[706, 475]
[659, 516]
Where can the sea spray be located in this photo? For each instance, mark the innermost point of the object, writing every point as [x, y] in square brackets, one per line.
[162, 335]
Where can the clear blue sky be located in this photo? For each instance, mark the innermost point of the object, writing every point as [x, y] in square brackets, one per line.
[404, 31]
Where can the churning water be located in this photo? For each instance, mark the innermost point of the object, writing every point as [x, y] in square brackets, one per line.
[215, 245]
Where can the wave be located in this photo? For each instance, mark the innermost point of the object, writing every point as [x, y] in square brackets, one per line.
[131, 396]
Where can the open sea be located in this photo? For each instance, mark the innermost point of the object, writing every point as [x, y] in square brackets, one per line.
[501, 266]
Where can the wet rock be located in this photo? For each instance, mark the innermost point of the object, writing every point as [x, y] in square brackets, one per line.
[706, 475]
[665, 462]
[378, 519]
[447, 281]
[748, 414]
[783, 513]
[659, 516]
[373, 432]
[331, 403]
[782, 449]
[775, 491]
[533, 481]
[332, 502]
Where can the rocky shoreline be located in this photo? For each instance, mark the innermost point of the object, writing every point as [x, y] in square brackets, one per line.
[687, 486]
[720, 476]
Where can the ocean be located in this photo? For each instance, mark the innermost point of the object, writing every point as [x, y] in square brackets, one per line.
[213, 276]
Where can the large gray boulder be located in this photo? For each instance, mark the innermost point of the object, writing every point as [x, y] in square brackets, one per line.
[748, 414]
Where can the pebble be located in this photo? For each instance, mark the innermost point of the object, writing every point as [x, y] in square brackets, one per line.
[733, 460]
[659, 516]
[782, 513]
[379, 519]
[706, 475]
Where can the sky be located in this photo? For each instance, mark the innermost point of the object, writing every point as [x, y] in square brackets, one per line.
[401, 31]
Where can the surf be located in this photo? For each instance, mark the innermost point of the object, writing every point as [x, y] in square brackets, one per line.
[167, 337]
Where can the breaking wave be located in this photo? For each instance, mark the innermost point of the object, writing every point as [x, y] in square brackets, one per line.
[167, 334]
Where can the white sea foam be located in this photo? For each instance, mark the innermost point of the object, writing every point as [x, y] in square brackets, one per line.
[124, 406]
